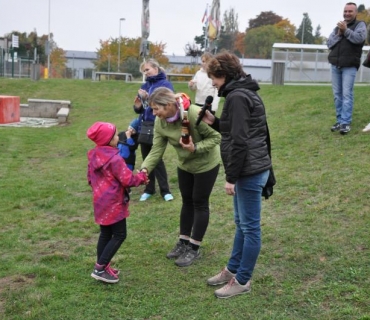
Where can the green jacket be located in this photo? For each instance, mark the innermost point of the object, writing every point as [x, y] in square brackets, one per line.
[207, 155]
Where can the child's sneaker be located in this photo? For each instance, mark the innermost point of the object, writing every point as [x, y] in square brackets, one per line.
[115, 271]
[104, 274]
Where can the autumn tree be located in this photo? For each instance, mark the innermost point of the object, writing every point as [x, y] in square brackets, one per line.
[263, 19]
[304, 32]
[259, 41]
[239, 44]
[364, 15]
[58, 62]
[289, 31]
[107, 54]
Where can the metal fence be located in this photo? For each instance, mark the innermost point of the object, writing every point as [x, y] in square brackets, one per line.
[307, 63]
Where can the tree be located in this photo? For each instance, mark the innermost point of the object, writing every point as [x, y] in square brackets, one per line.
[230, 22]
[132, 65]
[304, 32]
[193, 50]
[361, 8]
[263, 19]
[58, 63]
[107, 59]
[259, 41]
[289, 31]
[364, 15]
[201, 40]
[239, 44]
[28, 43]
[318, 38]
[229, 31]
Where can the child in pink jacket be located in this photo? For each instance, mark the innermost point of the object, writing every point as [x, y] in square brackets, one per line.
[109, 178]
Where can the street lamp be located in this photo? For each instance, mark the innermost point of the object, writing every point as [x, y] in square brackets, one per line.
[119, 45]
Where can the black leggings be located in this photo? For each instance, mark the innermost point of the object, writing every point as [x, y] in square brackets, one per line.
[158, 173]
[195, 192]
[110, 239]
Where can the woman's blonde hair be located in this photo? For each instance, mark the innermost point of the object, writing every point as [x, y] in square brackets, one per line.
[162, 96]
[153, 63]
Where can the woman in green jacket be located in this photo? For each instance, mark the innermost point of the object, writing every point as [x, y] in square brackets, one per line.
[198, 164]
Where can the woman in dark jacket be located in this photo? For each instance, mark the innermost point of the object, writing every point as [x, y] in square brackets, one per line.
[154, 78]
[245, 156]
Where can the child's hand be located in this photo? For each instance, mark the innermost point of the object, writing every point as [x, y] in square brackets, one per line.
[145, 175]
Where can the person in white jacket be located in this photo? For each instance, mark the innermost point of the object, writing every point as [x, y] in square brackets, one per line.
[203, 85]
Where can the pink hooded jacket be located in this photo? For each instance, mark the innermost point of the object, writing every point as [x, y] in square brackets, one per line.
[109, 176]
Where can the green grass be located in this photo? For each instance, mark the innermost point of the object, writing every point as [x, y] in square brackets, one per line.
[314, 263]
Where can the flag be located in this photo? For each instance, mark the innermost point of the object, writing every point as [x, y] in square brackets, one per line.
[205, 14]
[145, 29]
[214, 23]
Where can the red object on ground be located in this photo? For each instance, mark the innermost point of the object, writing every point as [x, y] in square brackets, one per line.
[10, 109]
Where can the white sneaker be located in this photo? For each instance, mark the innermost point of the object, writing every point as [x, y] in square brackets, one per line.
[367, 128]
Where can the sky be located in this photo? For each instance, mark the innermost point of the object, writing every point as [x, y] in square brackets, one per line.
[81, 24]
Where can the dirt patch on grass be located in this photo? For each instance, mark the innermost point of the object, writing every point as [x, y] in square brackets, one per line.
[13, 283]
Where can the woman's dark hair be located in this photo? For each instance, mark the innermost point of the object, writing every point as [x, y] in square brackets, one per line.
[225, 64]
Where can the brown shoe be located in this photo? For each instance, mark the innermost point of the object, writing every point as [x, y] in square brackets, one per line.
[223, 277]
[233, 288]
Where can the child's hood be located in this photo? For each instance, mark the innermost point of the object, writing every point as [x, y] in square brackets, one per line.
[101, 155]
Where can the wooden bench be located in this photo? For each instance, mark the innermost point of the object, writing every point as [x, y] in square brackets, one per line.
[179, 75]
[98, 74]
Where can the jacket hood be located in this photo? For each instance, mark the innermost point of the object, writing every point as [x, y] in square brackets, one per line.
[101, 155]
[244, 82]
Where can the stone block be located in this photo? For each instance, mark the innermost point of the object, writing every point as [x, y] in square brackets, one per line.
[9, 109]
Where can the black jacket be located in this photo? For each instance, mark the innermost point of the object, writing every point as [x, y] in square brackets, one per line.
[345, 53]
[242, 125]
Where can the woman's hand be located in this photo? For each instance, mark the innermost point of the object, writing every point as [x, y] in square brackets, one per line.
[230, 188]
[143, 94]
[191, 147]
[208, 118]
[137, 102]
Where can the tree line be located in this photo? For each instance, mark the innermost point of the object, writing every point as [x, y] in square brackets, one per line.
[256, 41]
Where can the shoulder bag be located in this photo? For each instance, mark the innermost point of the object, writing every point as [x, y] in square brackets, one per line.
[146, 132]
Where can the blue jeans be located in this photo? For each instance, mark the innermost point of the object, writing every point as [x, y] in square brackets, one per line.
[343, 80]
[247, 216]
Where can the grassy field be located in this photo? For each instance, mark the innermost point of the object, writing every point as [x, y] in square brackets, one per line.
[314, 263]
